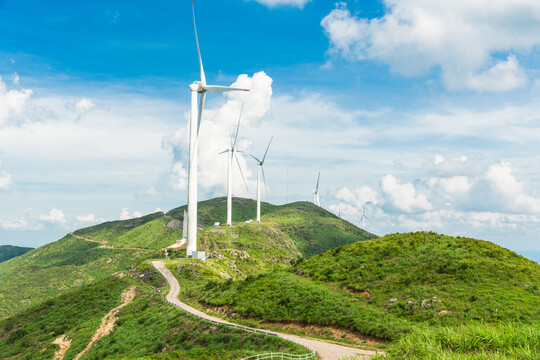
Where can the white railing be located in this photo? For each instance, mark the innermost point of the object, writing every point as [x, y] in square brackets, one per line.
[281, 356]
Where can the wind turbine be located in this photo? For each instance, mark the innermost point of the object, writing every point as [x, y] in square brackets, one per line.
[364, 217]
[259, 169]
[232, 153]
[316, 192]
[198, 87]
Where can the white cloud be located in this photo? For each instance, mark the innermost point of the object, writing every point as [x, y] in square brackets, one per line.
[55, 216]
[12, 103]
[504, 76]
[459, 37]
[273, 3]
[90, 218]
[214, 137]
[178, 176]
[16, 79]
[5, 179]
[403, 196]
[124, 214]
[84, 105]
[18, 224]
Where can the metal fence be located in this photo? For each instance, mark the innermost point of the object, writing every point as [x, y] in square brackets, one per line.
[281, 356]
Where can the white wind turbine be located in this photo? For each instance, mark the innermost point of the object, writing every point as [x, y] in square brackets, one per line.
[232, 153]
[198, 87]
[316, 192]
[259, 169]
[364, 217]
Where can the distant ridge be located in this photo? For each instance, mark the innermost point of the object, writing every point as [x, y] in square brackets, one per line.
[9, 251]
[93, 253]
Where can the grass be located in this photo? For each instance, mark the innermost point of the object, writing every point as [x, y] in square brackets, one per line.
[145, 327]
[417, 276]
[386, 287]
[57, 268]
[281, 296]
[470, 341]
[8, 252]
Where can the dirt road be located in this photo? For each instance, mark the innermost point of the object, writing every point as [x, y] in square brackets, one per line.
[327, 351]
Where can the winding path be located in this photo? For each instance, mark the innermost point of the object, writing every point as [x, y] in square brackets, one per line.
[327, 351]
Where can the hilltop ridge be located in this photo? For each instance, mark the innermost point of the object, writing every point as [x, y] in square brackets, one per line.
[90, 254]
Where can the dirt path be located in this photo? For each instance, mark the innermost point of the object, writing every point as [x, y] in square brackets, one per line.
[327, 351]
[64, 343]
[176, 245]
[104, 244]
[108, 321]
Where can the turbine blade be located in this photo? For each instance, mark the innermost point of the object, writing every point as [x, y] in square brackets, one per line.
[318, 178]
[201, 106]
[257, 160]
[238, 126]
[220, 89]
[224, 151]
[240, 168]
[266, 152]
[265, 188]
[203, 78]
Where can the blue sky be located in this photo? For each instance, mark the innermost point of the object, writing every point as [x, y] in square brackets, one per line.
[426, 113]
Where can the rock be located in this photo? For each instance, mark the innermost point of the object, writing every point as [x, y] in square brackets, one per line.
[393, 300]
[443, 312]
[361, 266]
[410, 304]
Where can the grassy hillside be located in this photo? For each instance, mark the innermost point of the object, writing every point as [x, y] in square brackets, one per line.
[389, 286]
[58, 267]
[438, 279]
[146, 326]
[8, 252]
[91, 254]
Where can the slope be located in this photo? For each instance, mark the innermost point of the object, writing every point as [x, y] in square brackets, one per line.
[145, 326]
[92, 253]
[389, 286]
[9, 251]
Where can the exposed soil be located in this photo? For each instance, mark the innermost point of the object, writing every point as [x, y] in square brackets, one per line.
[331, 331]
[108, 321]
[63, 343]
[328, 331]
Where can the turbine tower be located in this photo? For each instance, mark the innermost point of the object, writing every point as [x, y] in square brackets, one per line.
[316, 192]
[364, 217]
[259, 169]
[232, 153]
[198, 87]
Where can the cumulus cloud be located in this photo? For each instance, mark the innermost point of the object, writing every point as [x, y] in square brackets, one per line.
[12, 103]
[55, 216]
[83, 105]
[125, 215]
[459, 196]
[273, 3]
[460, 38]
[403, 197]
[217, 126]
[18, 224]
[90, 218]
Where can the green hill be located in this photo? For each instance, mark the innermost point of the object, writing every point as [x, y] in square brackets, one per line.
[389, 286]
[146, 326]
[8, 252]
[91, 254]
